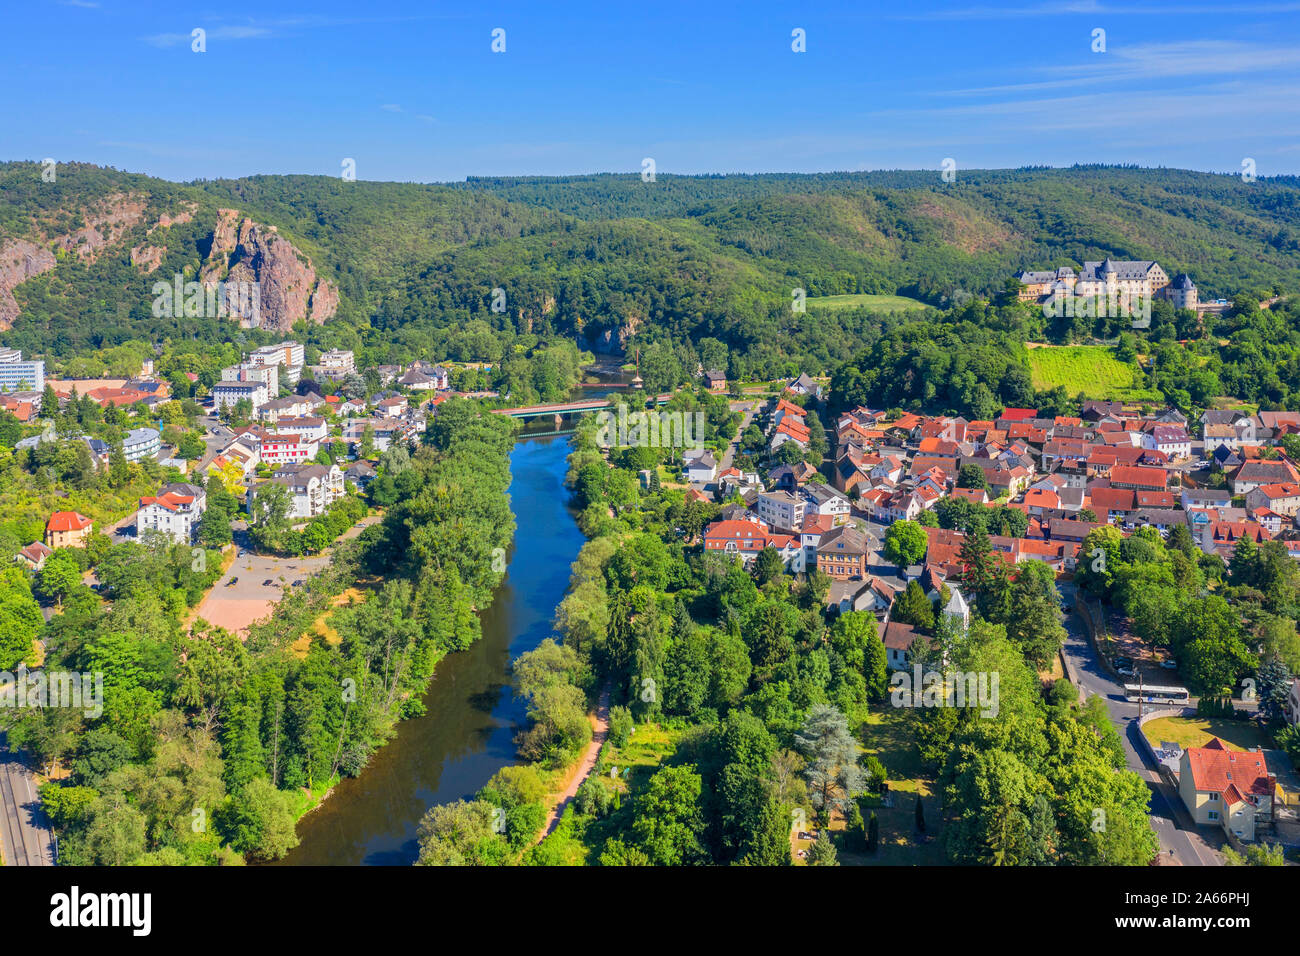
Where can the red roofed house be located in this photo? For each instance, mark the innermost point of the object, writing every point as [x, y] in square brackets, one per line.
[739, 538]
[34, 555]
[67, 529]
[1282, 497]
[898, 639]
[1018, 414]
[174, 511]
[1139, 478]
[1230, 788]
[21, 410]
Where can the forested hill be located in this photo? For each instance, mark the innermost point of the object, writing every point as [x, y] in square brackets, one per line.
[611, 259]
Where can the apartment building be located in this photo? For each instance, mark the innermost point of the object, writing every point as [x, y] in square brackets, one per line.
[19, 376]
[175, 511]
[781, 510]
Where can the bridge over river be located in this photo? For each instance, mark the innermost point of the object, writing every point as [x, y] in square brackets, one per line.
[570, 408]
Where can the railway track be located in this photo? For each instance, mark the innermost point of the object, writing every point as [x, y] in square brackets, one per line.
[25, 844]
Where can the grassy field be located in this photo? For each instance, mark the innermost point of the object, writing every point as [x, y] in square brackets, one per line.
[1090, 369]
[1197, 731]
[880, 303]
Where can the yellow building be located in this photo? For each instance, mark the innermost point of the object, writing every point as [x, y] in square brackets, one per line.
[1231, 789]
[67, 529]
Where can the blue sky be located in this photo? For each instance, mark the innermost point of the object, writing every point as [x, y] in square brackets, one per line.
[412, 90]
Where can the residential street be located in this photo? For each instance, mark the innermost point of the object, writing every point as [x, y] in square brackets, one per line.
[1180, 842]
[730, 454]
[25, 835]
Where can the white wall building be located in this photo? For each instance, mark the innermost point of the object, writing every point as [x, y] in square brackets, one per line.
[227, 394]
[19, 376]
[141, 443]
[174, 511]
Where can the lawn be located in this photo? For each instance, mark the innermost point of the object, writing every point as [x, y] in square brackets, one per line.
[879, 303]
[1197, 731]
[889, 738]
[1089, 369]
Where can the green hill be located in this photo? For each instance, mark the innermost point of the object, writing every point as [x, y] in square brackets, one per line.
[610, 259]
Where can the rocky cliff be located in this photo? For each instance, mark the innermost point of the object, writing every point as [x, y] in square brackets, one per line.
[244, 251]
[241, 251]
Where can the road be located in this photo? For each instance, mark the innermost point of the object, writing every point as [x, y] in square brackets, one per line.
[25, 835]
[730, 454]
[1181, 843]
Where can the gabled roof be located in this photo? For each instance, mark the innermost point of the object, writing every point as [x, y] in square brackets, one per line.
[1216, 769]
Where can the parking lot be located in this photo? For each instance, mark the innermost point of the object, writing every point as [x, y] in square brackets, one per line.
[253, 585]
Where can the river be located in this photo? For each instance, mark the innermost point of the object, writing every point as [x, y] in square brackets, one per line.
[473, 713]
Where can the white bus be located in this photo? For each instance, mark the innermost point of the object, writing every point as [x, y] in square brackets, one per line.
[1154, 694]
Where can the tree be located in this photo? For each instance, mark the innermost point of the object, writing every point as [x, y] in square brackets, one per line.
[906, 543]
[873, 833]
[214, 527]
[668, 821]
[59, 576]
[1257, 854]
[822, 852]
[1273, 684]
[920, 815]
[768, 566]
[972, 476]
[913, 607]
[833, 774]
[21, 620]
[191, 446]
[461, 834]
[258, 821]
[978, 563]
[1036, 623]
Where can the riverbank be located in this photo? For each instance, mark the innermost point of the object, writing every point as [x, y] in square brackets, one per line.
[466, 732]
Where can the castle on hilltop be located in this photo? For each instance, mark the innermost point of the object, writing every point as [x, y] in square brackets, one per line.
[1109, 279]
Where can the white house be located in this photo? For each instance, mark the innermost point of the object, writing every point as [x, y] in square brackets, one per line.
[285, 449]
[782, 510]
[228, 394]
[141, 443]
[825, 500]
[1170, 439]
[700, 467]
[310, 427]
[174, 511]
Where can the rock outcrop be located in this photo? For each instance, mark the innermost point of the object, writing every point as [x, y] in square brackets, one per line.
[19, 261]
[242, 251]
[289, 290]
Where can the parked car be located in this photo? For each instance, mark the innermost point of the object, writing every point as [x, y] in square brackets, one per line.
[232, 582]
[242, 552]
[1123, 666]
[267, 583]
[1169, 664]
